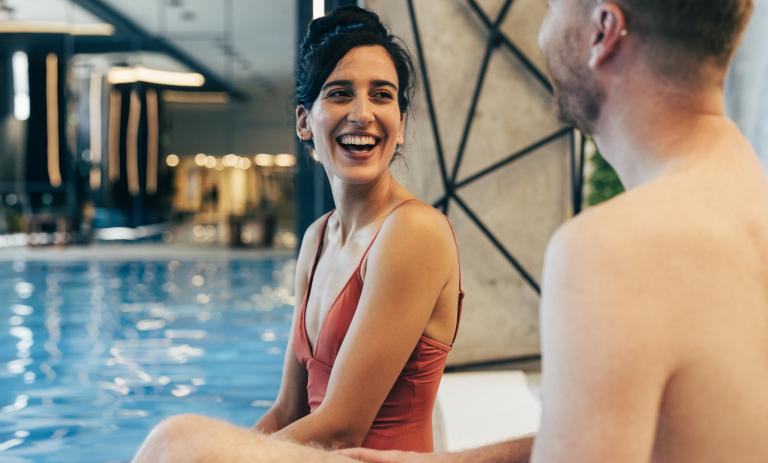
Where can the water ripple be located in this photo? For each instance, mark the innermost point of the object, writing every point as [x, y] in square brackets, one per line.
[104, 350]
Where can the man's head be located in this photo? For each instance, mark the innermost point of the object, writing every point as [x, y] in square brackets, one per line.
[688, 42]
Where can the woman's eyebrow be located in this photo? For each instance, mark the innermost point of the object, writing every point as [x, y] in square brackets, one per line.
[335, 83]
[349, 83]
[383, 83]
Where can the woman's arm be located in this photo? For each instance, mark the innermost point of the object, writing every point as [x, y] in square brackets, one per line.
[408, 267]
[292, 402]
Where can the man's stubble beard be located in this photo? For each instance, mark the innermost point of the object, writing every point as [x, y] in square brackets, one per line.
[577, 99]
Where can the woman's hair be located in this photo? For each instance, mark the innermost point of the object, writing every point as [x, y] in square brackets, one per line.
[331, 37]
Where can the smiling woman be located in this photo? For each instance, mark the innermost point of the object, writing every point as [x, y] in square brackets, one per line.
[380, 274]
[356, 124]
[378, 282]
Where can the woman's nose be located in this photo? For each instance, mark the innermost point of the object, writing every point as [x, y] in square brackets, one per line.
[361, 112]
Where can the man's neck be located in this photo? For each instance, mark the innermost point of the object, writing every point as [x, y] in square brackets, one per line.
[644, 136]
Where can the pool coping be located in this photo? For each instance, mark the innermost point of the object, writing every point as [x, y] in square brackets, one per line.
[133, 252]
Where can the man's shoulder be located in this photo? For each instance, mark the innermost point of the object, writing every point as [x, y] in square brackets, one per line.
[610, 264]
[645, 219]
[608, 227]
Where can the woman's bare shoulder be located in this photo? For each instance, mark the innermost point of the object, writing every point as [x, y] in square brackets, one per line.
[419, 214]
[418, 223]
[415, 244]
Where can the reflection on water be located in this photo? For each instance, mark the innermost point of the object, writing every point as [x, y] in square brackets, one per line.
[93, 354]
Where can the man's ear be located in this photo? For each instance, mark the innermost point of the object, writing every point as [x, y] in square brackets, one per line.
[610, 28]
[303, 130]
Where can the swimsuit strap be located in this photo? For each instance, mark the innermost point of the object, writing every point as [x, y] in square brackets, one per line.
[317, 254]
[461, 289]
[322, 242]
[373, 240]
[458, 258]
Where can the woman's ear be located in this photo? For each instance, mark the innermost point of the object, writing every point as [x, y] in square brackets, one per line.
[303, 130]
[401, 130]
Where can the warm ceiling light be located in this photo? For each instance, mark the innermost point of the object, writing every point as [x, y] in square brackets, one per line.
[126, 75]
[175, 96]
[285, 160]
[39, 27]
[200, 159]
[264, 160]
[121, 75]
[210, 162]
[230, 160]
[172, 160]
[244, 163]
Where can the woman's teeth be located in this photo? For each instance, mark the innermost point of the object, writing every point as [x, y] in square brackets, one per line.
[358, 142]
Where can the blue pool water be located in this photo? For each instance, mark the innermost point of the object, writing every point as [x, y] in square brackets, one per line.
[93, 354]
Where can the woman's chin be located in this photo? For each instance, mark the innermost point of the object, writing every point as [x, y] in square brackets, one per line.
[360, 175]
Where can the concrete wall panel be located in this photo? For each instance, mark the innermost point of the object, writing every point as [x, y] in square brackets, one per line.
[522, 203]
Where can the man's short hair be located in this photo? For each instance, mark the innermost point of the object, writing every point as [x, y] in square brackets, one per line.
[701, 29]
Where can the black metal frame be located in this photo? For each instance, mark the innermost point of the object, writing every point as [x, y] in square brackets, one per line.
[451, 185]
[495, 39]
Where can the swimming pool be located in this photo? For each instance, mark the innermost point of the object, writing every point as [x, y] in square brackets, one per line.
[94, 353]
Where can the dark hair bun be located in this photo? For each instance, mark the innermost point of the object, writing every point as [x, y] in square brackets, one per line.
[331, 37]
[345, 19]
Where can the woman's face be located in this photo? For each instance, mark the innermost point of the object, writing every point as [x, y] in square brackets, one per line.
[355, 122]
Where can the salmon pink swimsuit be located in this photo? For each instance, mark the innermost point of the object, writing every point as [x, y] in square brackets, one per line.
[404, 421]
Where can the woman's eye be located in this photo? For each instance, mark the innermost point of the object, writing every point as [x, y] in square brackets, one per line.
[339, 93]
[383, 94]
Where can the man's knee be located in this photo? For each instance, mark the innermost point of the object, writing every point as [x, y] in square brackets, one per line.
[181, 426]
[176, 438]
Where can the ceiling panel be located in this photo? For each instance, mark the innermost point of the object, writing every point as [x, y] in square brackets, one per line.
[250, 43]
[245, 40]
[44, 11]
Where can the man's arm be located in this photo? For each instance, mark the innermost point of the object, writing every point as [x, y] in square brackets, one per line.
[513, 451]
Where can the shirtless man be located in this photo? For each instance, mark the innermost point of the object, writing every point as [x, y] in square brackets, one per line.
[655, 305]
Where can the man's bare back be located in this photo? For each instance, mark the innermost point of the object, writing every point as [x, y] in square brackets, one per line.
[695, 240]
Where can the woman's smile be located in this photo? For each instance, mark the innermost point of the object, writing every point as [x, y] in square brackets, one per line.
[358, 146]
[356, 123]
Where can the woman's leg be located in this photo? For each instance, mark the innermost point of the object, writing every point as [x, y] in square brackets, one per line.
[192, 438]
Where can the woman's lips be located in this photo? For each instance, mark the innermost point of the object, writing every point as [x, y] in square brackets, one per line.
[357, 155]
